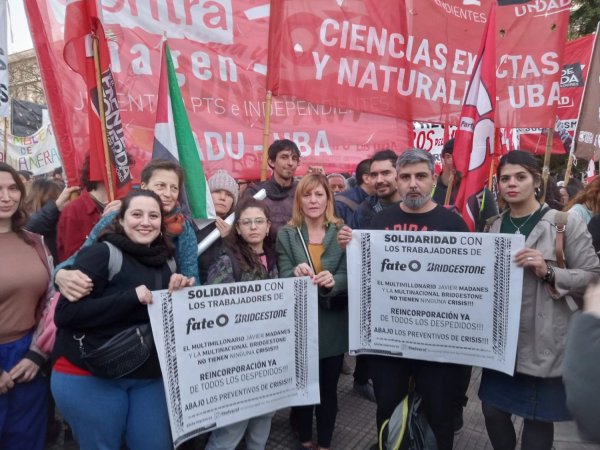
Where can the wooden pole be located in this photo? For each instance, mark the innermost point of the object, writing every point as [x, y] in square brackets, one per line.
[5, 146]
[449, 189]
[546, 169]
[102, 113]
[568, 170]
[266, 137]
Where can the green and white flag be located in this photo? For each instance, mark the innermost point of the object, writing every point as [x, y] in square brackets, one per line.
[173, 139]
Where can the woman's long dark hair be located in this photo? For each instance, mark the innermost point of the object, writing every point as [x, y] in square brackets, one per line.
[19, 218]
[237, 247]
[116, 227]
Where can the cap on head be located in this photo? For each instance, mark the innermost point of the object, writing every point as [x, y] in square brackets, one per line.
[221, 180]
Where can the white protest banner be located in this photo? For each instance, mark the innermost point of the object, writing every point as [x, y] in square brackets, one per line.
[229, 352]
[447, 297]
[4, 103]
[37, 153]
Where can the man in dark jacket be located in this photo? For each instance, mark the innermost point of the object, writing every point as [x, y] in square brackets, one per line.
[284, 157]
[347, 202]
[382, 173]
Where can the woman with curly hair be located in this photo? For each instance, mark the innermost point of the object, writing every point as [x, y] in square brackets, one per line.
[586, 204]
[246, 256]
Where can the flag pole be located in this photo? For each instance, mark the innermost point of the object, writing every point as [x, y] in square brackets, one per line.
[546, 169]
[449, 189]
[266, 134]
[5, 147]
[102, 113]
[568, 169]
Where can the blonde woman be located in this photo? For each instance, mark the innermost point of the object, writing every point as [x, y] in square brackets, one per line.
[308, 246]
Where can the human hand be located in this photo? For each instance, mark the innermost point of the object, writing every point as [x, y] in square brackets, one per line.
[223, 227]
[532, 259]
[73, 284]
[303, 270]
[179, 281]
[324, 279]
[591, 300]
[115, 205]
[24, 371]
[344, 236]
[144, 294]
[6, 383]
[65, 196]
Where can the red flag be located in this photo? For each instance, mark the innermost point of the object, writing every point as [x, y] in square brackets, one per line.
[82, 27]
[474, 139]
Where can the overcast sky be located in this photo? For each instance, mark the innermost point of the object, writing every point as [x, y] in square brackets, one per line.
[19, 39]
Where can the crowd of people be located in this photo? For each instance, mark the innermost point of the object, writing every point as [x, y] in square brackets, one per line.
[109, 257]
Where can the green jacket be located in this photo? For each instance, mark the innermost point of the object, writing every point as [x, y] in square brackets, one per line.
[333, 325]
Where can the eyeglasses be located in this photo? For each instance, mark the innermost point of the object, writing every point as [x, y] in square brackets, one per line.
[249, 222]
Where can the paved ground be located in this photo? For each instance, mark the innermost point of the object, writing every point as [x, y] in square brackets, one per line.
[355, 428]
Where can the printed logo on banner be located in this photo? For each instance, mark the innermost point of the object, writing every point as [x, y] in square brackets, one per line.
[207, 22]
[541, 7]
[572, 76]
[469, 14]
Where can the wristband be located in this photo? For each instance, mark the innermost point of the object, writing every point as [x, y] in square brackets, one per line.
[549, 277]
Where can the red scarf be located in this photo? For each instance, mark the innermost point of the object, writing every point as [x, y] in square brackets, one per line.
[174, 224]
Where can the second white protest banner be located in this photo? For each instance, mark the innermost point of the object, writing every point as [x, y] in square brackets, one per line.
[230, 352]
[447, 297]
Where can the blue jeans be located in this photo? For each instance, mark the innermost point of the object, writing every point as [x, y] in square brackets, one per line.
[256, 431]
[103, 412]
[23, 409]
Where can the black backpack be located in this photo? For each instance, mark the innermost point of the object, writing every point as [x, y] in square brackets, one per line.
[407, 428]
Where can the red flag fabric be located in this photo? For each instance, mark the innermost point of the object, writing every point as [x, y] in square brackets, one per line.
[474, 138]
[574, 73]
[220, 54]
[82, 27]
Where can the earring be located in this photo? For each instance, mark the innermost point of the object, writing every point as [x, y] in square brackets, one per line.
[537, 191]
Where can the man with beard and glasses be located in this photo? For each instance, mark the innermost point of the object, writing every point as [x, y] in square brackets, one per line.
[436, 382]
[382, 173]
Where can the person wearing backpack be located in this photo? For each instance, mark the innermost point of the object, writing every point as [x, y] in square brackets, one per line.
[246, 256]
[558, 262]
[111, 401]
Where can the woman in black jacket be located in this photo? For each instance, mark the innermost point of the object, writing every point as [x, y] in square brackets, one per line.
[105, 411]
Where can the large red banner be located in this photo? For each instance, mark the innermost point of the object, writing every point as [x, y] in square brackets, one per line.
[220, 53]
[574, 73]
[413, 60]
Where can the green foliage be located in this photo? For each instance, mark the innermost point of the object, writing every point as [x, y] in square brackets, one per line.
[584, 17]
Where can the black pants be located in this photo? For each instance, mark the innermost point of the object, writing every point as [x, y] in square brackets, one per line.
[536, 435]
[326, 411]
[461, 399]
[361, 370]
[436, 382]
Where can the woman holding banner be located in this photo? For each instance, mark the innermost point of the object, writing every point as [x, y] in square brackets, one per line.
[246, 256]
[26, 289]
[308, 246]
[107, 380]
[536, 392]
